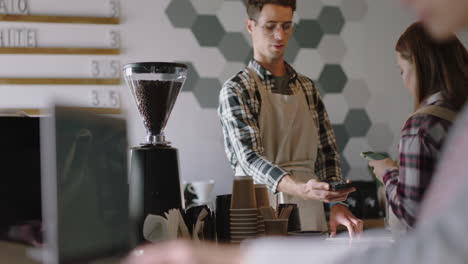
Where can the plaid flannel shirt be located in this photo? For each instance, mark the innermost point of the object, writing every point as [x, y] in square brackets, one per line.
[239, 110]
[420, 145]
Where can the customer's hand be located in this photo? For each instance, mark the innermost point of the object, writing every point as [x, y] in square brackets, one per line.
[29, 233]
[340, 215]
[185, 252]
[315, 190]
[381, 166]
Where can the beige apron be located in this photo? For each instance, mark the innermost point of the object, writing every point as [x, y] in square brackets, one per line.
[290, 139]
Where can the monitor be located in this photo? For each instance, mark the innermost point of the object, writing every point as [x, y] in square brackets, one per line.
[84, 186]
[20, 177]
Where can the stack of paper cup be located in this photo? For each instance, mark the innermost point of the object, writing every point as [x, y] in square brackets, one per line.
[261, 196]
[243, 212]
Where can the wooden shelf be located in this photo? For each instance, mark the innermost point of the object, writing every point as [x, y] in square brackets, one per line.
[38, 111]
[60, 81]
[70, 51]
[99, 110]
[60, 19]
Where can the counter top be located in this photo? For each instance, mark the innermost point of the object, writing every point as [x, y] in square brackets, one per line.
[16, 253]
[368, 224]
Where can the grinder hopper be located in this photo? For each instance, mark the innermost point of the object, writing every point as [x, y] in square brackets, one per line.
[155, 87]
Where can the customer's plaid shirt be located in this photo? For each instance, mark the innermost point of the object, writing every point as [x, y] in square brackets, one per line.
[239, 109]
[420, 144]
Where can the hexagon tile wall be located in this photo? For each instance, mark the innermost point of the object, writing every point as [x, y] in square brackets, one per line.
[316, 49]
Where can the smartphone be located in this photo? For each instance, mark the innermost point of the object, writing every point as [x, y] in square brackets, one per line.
[372, 155]
[338, 185]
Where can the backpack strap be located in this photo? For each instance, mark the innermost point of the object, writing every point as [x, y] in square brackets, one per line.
[437, 111]
[434, 110]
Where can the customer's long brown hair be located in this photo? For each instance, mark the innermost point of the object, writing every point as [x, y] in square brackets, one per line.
[440, 66]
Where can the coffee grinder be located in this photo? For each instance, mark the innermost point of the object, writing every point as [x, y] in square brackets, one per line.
[154, 169]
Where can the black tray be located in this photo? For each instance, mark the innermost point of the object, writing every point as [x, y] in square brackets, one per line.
[307, 233]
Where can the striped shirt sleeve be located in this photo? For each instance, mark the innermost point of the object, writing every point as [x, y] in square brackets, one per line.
[420, 144]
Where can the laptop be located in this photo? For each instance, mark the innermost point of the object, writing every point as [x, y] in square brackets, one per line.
[20, 187]
[84, 186]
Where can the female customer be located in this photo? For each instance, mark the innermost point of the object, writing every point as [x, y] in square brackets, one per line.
[433, 71]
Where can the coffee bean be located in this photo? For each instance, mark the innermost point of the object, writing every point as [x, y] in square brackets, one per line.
[155, 100]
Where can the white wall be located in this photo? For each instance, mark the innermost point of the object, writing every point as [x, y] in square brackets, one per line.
[146, 35]
[390, 102]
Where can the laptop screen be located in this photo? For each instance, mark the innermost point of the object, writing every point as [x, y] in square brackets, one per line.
[20, 179]
[85, 187]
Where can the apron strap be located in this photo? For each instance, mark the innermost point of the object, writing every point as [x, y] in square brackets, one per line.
[437, 111]
[258, 82]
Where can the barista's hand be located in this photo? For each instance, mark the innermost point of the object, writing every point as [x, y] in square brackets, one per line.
[312, 190]
[185, 252]
[340, 215]
[315, 190]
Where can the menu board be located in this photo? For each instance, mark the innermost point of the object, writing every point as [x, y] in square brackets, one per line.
[25, 40]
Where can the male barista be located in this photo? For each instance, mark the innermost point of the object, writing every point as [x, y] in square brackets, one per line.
[276, 127]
